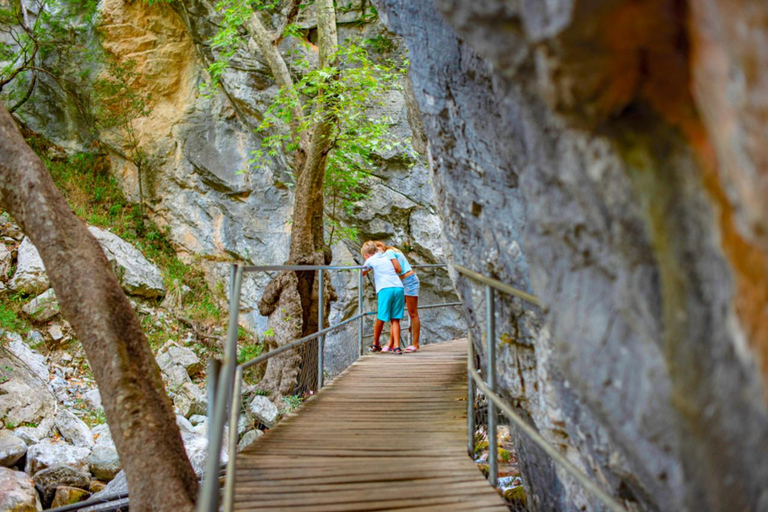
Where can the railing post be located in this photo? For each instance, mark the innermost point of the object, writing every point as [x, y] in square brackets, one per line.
[470, 397]
[320, 318]
[214, 367]
[359, 311]
[490, 346]
[234, 418]
[209, 492]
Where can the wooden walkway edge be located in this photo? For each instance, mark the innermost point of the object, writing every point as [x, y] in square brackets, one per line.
[387, 434]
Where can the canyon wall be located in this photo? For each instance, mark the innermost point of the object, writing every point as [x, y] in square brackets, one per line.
[603, 155]
[198, 185]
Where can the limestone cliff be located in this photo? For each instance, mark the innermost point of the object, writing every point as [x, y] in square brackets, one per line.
[199, 144]
[603, 155]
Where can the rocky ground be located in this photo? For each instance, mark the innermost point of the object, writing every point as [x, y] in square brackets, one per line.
[55, 447]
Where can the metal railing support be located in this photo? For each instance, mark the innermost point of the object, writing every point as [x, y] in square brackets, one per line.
[470, 398]
[234, 419]
[214, 367]
[360, 310]
[320, 324]
[490, 345]
[209, 492]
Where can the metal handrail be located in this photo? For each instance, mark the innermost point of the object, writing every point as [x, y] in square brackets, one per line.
[488, 388]
[226, 379]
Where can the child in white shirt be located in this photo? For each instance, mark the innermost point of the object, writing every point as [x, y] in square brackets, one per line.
[390, 294]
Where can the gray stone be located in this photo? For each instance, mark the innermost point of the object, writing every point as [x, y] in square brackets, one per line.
[43, 307]
[184, 425]
[137, 276]
[56, 332]
[31, 358]
[176, 377]
[35, 339]
[102, 435]
[93, 399]
[104, 462]
[181, 356]
[261, 409]
[48, 454]
[9, 228]
[119, 485]
[6, 262]
[30, 276]
[190, 400]
[196, 446]
[26, 404]
[47, 480]
[17, 492]
[197, 419]
[11, 448]
[73, 429]
[248, 439]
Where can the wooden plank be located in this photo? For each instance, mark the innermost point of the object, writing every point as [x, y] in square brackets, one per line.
[388, 434]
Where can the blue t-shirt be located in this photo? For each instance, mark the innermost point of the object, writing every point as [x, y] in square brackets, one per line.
[405, 267]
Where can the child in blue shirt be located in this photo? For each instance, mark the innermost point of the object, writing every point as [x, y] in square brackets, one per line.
[390, 294]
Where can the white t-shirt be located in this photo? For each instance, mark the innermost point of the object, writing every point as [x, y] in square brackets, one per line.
[384, 275]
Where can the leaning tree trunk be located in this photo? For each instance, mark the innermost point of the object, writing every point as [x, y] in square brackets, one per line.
[291, 298]
[140, 416]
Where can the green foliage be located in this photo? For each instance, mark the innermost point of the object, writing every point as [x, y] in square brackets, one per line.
[10, 319]
[42, 38]
[347, 94]
[248, 352]
[293, 402]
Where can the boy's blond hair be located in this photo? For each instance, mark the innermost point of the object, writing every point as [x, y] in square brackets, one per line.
[368, 248]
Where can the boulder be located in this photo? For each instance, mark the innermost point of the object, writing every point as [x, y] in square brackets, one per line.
[48, 480]
[12, 448]
[261, 409]
[176, 377]
[6, 262]
[31, 358]
[102, 434]
[73, 429]
[104, 463]
[97, 486]
[30, 276]
[248, 439]
[184, 424]
[68, 496]
[17, 492]
[92, 398]
[175, 355]
[196, 446]
[48, 454]
[136, 274]
[9, 228]
[43, 307]
[35, 339]
[56, 332]
[190, 400]
[27, 406]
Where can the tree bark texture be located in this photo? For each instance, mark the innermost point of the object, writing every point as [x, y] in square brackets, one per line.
[139, 413]
[290, 300]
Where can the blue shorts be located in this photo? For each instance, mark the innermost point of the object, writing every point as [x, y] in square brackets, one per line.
[412, 284]
[391, 304]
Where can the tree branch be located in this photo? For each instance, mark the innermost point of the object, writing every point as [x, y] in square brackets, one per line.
[293, 12]
[265, 42]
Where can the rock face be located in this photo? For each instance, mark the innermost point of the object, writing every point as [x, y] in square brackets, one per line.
[17, 492]
[200, 143]
[571, 159]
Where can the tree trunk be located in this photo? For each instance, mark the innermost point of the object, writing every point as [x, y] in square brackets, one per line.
[137, 408]
[297, 292]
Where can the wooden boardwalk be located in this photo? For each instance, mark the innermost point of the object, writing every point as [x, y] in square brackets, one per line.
[387, 434]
